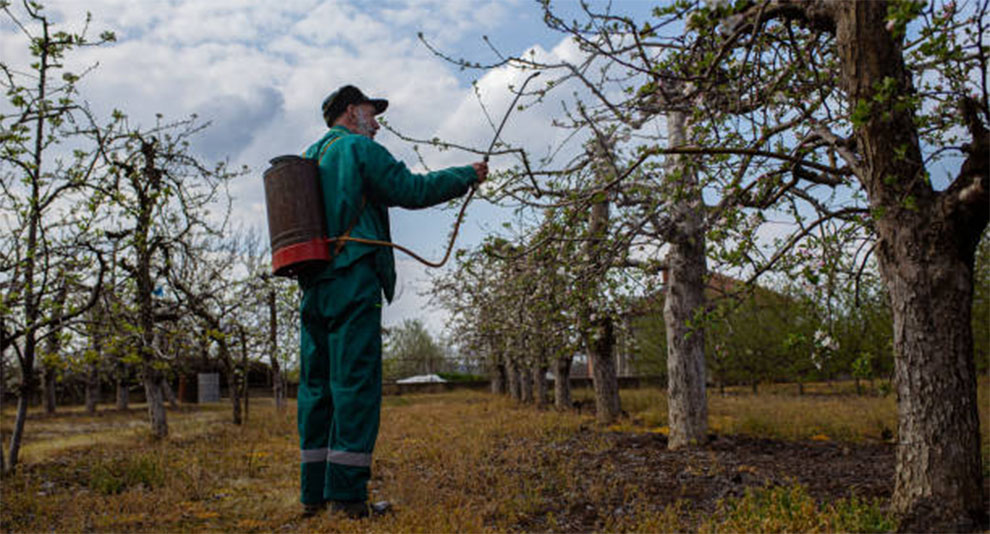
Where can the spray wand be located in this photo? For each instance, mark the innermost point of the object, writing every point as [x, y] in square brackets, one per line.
[460, 216]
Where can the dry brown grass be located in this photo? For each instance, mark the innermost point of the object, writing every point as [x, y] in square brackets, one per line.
[457, 462]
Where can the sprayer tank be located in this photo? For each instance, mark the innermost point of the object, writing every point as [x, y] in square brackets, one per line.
[296, 220]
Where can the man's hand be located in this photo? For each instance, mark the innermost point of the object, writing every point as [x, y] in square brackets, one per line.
[481, 168]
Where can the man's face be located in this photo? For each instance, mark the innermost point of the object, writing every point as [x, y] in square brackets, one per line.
[364, 120]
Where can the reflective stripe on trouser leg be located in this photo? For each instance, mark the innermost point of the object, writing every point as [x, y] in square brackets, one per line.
[356, 383]
[354, 459]
[314, 401]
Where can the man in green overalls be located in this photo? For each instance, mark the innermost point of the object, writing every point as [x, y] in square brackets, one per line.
[340, 381]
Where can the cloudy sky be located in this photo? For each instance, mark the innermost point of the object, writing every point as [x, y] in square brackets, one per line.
[258, 70]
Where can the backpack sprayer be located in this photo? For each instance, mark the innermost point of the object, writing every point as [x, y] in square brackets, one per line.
[297, 224]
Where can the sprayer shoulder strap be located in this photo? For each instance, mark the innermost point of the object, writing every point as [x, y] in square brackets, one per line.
[325, 147]
[340, 240]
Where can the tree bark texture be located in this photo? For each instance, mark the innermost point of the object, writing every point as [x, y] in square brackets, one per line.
[156, 403]
[926, 247]
[685, 300]
[515, 388]
[601, 347]
[562, 383]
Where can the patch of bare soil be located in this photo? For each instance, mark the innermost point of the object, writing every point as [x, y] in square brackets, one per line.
[639, 465]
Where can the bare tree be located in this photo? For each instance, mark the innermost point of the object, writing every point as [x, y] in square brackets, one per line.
[162, 195]
[37, 183]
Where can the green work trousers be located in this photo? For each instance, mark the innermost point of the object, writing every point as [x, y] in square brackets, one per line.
[340, 383]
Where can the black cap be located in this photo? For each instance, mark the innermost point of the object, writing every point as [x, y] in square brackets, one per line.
[335, 104]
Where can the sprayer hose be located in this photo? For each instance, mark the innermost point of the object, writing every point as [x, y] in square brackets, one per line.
[428, 263]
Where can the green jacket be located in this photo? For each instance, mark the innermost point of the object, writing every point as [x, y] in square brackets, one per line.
[356, 166]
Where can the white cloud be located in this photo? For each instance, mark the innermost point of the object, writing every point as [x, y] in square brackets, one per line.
[258, 71]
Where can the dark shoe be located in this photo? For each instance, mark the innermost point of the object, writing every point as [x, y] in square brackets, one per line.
[360, 509]
[310, 510]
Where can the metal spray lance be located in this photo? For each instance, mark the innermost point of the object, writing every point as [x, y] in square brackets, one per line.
[467, 200]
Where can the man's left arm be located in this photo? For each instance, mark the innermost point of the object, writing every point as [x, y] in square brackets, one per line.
[390, 182]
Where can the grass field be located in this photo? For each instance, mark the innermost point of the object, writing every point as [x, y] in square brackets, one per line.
[468, 462]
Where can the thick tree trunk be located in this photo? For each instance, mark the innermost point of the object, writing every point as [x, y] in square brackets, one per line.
[156, 403]
[938, 481]
[600, 349]
[562, 384]
[926, 246]
[685, 301]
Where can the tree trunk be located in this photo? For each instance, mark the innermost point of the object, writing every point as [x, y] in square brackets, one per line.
[244, 370]
[926, 247]
[938, 481]
[498, 379]
[28, 383]
[540, 386]
[48, 376]
[600, 335]
[515, 389]
[232, 384]
[525, 385]
[92, 386]
[600, 348]
[156, 404]
[54, 346]
[123, 393]
[562, 384]
[31, 301]
[278, 388]
[169, 394]
[149, 180]
[3, 380]
[18, 433]
[685, 301]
